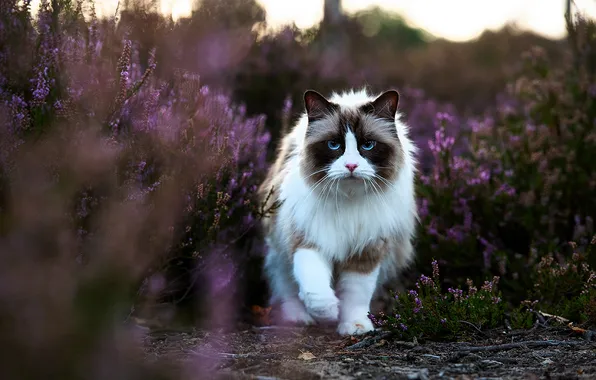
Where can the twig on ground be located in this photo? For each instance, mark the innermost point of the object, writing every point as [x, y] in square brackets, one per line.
[509, 346]
[369, 341]
[555, 317]
[474, 326]
[278, 327]
[540, 318]
[508, 325]
[226, 355]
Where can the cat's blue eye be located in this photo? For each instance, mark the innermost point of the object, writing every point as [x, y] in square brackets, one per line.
[333, 145]
[369, 145]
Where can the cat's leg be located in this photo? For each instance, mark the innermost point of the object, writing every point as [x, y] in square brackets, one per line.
[284, 290]
[356, 289]
[313, 274]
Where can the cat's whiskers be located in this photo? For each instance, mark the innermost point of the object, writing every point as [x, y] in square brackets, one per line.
[384, 180]
[323, 191]
[378, 192]
[317, 172]
[317, 184]
[336, 191]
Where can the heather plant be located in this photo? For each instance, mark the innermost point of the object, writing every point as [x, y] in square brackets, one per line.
[567, 288]
[427, 312]
[108, 175]
[525, 179]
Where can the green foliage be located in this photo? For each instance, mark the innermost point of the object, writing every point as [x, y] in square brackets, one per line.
[567, 288]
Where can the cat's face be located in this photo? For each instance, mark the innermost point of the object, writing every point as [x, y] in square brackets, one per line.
[353, 147]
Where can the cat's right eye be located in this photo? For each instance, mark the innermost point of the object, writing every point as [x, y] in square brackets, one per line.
[333, 145]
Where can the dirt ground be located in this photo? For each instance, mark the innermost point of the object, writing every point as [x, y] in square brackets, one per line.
[272, 352]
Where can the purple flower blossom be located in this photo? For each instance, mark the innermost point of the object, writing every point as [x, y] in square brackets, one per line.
[418, 305]
[457, 293]
[427, 281]
[435, 266]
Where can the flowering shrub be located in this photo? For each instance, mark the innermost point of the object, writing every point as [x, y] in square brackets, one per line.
[427, 312]
[565, 289]
[524, 183]
[114, 175]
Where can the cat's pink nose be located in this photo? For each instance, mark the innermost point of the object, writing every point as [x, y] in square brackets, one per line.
[351, 167]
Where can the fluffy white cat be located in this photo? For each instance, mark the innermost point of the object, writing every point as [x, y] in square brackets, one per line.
[343, 183]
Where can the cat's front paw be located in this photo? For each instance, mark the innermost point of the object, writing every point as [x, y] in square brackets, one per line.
[294, 312]
[355, 327]
[322, 306]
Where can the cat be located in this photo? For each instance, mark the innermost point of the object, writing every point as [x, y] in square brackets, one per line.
[343, 209]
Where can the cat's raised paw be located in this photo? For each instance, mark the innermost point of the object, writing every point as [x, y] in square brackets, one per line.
[322, 307]
[356, 327]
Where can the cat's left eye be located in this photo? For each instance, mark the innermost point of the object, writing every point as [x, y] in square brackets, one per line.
[369, 145]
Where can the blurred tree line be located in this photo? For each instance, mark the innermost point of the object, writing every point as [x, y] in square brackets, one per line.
[228, 44]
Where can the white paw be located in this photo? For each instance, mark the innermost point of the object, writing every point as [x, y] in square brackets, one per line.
[294, 312]
[355, 327]
[322, 306]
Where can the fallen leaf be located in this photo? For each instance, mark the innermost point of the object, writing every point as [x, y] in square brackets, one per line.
[306, 356]
[261, 315]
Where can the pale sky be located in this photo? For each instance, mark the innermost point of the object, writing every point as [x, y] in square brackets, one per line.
[452, 19]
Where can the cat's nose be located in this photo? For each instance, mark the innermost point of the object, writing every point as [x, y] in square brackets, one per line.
[351, 167]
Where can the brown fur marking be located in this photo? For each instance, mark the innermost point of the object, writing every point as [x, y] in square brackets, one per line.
[268, 192]
[366, 261]
[299, 241]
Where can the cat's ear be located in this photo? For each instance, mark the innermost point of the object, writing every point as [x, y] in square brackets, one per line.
[384, 106]
[317, 106]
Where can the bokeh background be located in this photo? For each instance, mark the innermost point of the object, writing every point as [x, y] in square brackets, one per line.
[135, 133]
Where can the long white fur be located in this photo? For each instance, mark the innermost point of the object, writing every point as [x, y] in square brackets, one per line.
[340, 223]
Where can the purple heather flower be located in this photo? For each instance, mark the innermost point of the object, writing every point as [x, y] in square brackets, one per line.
[488, 251]
[423, 208]
[455, 234]
[426, 280]
[505, 189]
[457, 293]
[418, 305]
[444, 117]
[435, 266]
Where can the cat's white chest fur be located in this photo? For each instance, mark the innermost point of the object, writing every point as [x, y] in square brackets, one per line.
[340, 225]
